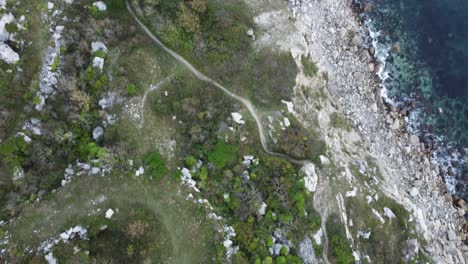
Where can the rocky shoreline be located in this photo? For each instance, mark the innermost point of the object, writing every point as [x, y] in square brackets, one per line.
[412, 177]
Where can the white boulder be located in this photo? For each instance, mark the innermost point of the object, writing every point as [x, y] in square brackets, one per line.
[97, 45]
[5, 19]
[389, 213]
[237, 117]
[98, 133]
[7, 54]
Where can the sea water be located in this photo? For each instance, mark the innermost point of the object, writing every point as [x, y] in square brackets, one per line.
[422, 49]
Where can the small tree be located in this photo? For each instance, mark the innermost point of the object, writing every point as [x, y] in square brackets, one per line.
[188, 19]
[198, 6]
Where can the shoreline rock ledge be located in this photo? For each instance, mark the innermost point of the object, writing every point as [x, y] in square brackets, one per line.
[410, 176]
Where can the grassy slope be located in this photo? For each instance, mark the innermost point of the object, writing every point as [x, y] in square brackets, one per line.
[187, 235]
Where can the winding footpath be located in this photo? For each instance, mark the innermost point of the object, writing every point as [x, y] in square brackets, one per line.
[203, 77]
[241, 99]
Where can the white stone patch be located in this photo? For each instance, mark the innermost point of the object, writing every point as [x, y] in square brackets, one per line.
[7, 54]
[109, 213]
[290, 106]
[310, 177]
[101, 6]
[98, 46]
[98, 63]
[50, 5]
[237, 117]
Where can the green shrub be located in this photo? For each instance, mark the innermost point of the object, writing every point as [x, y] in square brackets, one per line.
[156, 164]
[100, 54]
[284, 251]
[91, 150]
[190, 162]
[281, 260]
[221, 154]
[202, 174]
[95, 12]
[55, 64]
[267, 260]
[131, 89]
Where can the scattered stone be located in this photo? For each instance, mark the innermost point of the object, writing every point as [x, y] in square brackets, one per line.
[371, 67]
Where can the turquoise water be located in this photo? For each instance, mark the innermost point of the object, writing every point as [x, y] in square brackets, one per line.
[427, 63]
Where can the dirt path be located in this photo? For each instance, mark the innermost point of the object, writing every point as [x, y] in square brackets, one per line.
[203, 77]
[143, 100]
[245, 102]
